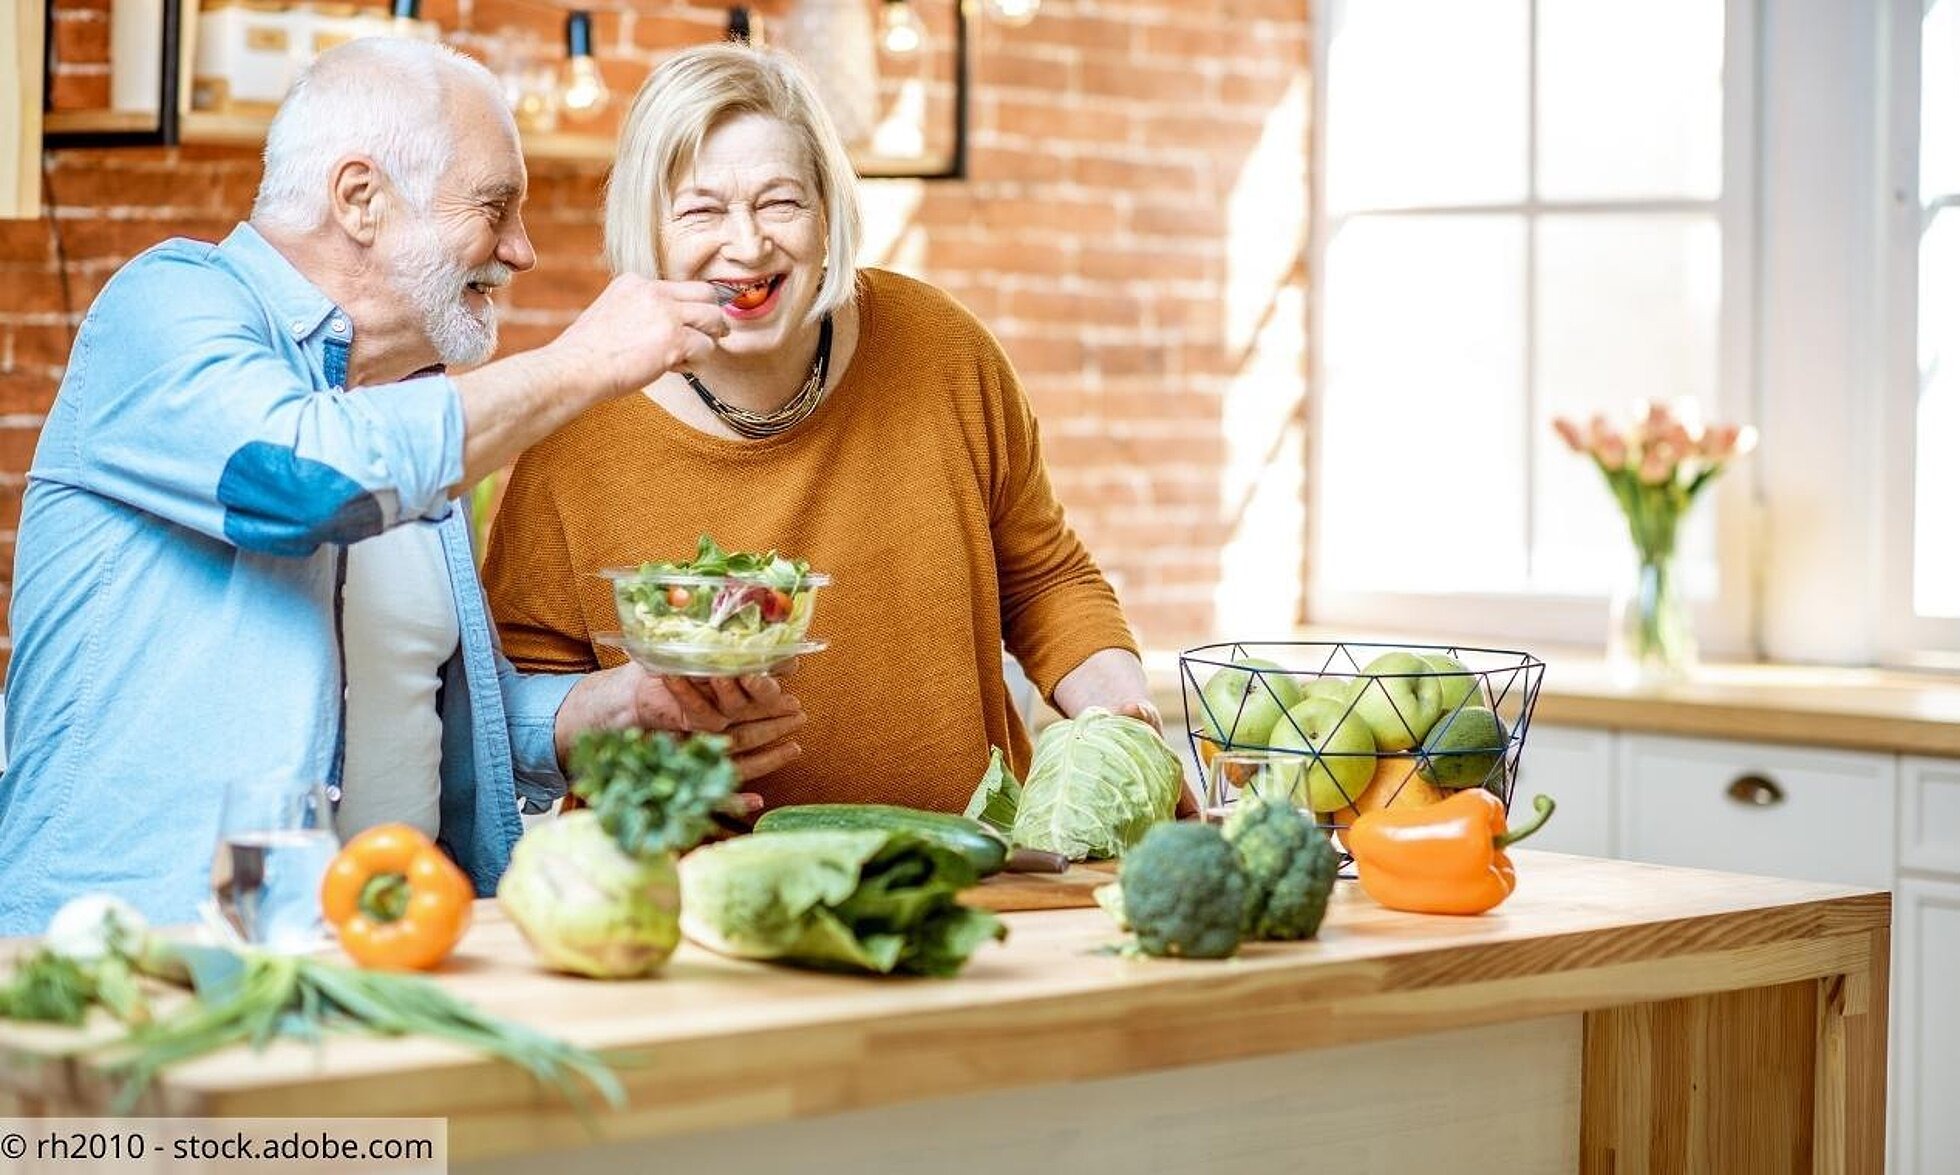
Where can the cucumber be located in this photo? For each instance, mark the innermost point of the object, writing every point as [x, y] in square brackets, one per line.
[981, 845]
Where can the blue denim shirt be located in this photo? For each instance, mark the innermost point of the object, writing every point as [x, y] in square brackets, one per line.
[175, 608]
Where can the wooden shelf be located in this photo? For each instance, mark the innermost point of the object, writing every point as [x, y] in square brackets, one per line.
[208, 128]
[244, 130]
[568, 145]
[97, 121]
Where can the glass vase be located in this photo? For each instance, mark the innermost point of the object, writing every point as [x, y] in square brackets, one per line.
[1652, 636]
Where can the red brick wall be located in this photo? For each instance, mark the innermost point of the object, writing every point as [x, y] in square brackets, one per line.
[1105, 221]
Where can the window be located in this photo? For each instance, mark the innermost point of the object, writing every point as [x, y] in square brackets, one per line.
[1525, 210]
[1923, 597]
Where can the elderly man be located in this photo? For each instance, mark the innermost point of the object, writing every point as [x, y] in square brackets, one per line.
[240, 561]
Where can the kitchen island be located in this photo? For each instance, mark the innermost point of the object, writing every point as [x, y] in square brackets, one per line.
[1611, 1016]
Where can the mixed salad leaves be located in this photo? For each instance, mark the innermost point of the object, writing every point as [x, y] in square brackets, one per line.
[729, 610]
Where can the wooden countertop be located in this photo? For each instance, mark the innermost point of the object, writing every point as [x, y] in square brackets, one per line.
[724, 1043]
[1824, 706]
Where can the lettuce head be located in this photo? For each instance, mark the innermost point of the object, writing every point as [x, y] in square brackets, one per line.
[847, 900]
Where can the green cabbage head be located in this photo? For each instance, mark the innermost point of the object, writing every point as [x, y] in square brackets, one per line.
[1098, 782]
[586, 906]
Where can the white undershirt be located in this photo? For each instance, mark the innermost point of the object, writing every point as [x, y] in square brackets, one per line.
[399, 626]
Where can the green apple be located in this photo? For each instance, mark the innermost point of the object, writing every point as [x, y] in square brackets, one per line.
[1241, 707]
[1346, 753]
[1464, 750]
[1333, 689]
[1400, 699]
[1456, 685]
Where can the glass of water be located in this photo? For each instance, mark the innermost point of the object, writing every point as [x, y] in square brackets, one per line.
[275, 841]
[1274, 775]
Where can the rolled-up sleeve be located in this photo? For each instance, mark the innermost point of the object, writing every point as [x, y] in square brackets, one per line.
[194, 412]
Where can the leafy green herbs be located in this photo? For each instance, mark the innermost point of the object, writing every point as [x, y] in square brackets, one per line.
[48, 987]
[709, 559]
[652, 794]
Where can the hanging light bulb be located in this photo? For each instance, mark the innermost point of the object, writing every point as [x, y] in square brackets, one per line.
[1014, 12]
[584, 92]
[900, 32]
[407, 21]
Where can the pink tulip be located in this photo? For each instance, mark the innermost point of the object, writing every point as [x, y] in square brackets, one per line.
[1656, 466]
[1599, 428]
[1610, 451]
[1656, 419]
[1569, 432]
[1719, 442]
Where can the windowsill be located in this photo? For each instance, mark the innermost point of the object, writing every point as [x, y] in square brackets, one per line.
[1814, 705]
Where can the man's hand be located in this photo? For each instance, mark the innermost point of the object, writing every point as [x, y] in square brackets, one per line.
[638, 330]
[756, 714]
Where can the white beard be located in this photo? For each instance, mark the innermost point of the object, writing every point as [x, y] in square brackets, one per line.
[436, 286]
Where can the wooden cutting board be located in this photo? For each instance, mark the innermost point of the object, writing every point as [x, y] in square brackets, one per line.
[1073, 890]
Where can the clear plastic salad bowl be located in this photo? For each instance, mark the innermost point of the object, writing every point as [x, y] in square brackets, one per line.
[710, 625]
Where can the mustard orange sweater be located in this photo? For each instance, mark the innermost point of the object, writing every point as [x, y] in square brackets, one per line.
[917, 485]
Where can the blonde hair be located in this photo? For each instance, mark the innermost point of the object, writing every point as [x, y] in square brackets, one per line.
[686, 98]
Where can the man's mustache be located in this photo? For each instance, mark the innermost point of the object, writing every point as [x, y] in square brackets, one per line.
[491, 276]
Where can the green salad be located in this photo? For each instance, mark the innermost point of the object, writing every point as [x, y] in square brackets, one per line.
[722, 610]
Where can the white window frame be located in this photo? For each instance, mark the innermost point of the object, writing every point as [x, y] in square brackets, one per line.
[1905, 639]
[1724, 625]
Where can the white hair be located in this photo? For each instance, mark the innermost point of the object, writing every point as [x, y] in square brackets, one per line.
[686, 98]
[382, 97]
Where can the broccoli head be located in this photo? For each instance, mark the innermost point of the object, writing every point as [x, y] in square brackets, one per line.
[1184, 892]
[1289, 868]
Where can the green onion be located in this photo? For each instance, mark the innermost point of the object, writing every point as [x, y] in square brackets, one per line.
[251, 998]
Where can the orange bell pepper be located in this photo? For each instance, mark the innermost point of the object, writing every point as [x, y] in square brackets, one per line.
[1447, 858]
[397, 902]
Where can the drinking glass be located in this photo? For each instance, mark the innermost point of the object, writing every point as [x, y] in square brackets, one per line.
[1234, 774]
[275, 841]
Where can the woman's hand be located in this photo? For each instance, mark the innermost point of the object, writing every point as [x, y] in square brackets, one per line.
[1143, 710]
[1112, 679]
[756, 714]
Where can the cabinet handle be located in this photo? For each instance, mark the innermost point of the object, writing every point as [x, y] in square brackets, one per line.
[1757, 791]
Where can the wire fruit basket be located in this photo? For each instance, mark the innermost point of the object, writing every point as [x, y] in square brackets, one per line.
[1346, 727]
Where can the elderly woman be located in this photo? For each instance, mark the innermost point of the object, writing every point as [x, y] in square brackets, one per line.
[855, 418]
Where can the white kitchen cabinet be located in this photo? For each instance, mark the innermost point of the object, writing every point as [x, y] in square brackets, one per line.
[1778, 811]
[1925, 1079]
[1929, 817]
[1574, 766]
